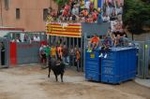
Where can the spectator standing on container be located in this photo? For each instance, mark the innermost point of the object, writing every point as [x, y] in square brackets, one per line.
[93, 43]
[111, 36]
[124, 37]
[118, 41]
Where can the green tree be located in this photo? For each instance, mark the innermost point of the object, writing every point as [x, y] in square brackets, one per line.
[136, 15]
[60, 3]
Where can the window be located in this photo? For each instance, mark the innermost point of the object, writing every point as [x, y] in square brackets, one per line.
[17, 13]
[6, 3]
[45, 13]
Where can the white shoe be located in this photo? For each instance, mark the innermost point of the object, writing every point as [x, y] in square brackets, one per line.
[105, 56]
[101, 55]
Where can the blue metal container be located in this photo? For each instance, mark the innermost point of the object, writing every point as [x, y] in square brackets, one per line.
[92, 66]
[119, 66]
[92, 75]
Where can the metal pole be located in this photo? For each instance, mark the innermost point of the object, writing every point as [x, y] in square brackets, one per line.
[140, 60]
[69, 42]
[77, 42]
[84, 39]
[146, 59]
[82, 52]
[73, 47]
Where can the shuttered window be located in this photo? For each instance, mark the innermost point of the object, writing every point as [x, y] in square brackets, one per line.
[17, 13]
[45, 13]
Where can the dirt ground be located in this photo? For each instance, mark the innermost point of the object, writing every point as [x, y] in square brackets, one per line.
[31, 82]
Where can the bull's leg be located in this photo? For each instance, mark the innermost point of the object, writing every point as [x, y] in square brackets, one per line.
[78, 66]
[56, 77]
[49, 70]
[61, 75]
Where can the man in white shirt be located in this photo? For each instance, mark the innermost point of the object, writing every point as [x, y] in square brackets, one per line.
[106, 18]
[87, 5]
[75, 10]
[36, 38]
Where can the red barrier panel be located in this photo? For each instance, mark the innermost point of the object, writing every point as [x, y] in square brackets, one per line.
[13, 53]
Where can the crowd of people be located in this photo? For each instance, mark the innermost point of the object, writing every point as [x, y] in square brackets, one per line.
[69, 56]
[112, 39]
[24, 37]
[84, 11]
[77, 11]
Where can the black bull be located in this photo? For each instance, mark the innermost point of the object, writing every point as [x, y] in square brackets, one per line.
[57, 67]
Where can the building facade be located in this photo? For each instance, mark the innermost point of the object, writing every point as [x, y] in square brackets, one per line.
[27, 14]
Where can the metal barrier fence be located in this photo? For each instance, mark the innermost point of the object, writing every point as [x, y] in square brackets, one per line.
[27, 36]
[21, 48]
[28, 52]
[143, 59]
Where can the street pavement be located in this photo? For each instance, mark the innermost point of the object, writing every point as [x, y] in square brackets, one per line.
[143, 82]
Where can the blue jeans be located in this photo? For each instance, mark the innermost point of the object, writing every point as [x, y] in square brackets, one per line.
[71, 60]
[66, 60]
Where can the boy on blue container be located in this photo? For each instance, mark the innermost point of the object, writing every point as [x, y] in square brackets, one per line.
[105, 46]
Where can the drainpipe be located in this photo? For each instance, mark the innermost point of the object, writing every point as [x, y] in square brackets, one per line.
[50, 3]
[1, 11]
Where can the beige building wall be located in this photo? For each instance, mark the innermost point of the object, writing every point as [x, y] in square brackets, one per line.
[31, 14]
